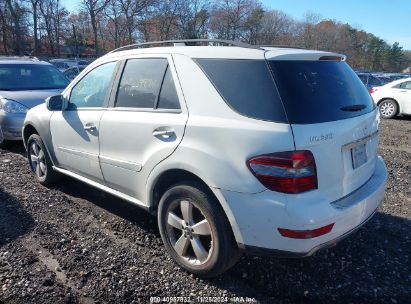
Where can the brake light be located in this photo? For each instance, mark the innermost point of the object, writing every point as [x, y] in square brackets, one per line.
[372, 90]
[287, 172]
[331, 58]
[305, 234]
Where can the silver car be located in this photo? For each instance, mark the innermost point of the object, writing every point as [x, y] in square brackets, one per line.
[24, 83]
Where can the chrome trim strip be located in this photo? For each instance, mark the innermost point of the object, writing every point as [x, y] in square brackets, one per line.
[91, 156]
[102, 187]
[359, 141]
[120, 163]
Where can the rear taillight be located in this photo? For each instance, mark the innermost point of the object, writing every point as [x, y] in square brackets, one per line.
[372, 90]
[288, 172]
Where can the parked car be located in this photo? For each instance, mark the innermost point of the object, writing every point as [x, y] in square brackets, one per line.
[396, 76]
[394, 98]
[72, 72]
[63, 64]
[370, 80]
[201, 137]
[24, 83]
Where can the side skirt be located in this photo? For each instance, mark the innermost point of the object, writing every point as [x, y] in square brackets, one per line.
[103, 188]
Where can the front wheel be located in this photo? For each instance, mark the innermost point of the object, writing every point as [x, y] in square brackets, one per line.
[195, 230]
[39, 161]
[388, 108]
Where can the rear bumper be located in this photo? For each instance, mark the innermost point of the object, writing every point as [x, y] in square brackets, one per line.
[11, 125]
[257, 218]
[290, 254]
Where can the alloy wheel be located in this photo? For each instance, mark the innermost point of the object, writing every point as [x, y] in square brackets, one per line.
[189, 232]
[38, 160]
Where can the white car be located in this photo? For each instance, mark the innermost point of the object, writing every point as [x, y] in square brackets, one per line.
[393, 98]
[234, 148]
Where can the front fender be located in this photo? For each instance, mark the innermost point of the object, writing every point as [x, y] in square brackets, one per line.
[39, 118]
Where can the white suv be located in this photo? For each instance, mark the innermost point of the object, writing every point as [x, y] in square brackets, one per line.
[234, 147]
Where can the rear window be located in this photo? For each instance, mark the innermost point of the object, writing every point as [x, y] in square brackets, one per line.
[320, 91]
[247, 87]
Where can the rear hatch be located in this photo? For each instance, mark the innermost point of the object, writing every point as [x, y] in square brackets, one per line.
[332, 115]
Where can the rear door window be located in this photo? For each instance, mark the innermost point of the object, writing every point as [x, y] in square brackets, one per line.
[320, 91]
[246, 86]
[140, 83]
[406, 85]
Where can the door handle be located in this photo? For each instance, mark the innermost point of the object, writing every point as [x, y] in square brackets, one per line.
[89, 127]
[404, 91]
[163, 133]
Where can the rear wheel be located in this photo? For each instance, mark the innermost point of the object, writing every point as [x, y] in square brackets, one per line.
[3, 142]
[388, 108]
[195, 230]
[39, 161]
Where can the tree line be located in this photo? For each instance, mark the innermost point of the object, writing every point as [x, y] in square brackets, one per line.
[47, 28]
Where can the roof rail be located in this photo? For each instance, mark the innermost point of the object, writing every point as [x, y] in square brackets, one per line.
[282, 46]
[185, 42]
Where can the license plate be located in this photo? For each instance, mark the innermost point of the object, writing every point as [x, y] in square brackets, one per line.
[359, 156]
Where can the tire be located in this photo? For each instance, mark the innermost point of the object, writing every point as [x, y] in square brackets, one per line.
[388, 108]
[40, 162]
[4, 143]
[201, 243]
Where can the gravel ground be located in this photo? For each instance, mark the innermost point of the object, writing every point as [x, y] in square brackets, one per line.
[73, 244]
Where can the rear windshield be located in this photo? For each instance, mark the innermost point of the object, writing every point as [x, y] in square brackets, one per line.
[247, 87]
[17, 77]
[320, 91]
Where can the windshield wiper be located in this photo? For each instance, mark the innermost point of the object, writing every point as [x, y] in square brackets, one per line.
[353, 108]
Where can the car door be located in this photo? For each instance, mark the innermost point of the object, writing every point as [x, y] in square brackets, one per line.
[75, 130]
[403, 96]
[144, 124]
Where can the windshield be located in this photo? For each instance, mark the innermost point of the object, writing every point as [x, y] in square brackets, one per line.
[18, 77]
[320, 91]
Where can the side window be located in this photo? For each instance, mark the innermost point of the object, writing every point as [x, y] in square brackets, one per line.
[363, 78]
[92, 89]
[374, 81]
[140, 83]
[168, 96]
[406, 85]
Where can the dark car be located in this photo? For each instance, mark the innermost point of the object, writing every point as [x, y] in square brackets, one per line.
[72, 72]
[371, 81]
[24, 83]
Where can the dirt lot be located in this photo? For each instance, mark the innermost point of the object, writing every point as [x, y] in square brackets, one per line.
[73, 244]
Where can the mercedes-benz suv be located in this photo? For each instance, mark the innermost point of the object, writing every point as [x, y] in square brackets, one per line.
[234, 147]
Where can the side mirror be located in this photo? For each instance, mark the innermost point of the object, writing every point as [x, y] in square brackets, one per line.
[55, 103]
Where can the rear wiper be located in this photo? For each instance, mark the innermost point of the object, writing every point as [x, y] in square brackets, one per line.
[353, 108]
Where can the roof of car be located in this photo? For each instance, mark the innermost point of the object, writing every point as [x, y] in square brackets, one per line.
[21, 60]
[395, 82]
[223, 52]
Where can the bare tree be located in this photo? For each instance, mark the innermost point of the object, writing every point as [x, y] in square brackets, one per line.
[94, 8]
[34, 8]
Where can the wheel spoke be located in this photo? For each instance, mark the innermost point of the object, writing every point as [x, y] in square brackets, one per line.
[181, 245]
[175, 221]
[187, 211]
[41, 155]
[34, 158]
[198, 248]
[202, 228]
[42, 167]
[38, 171]
[35, 149]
